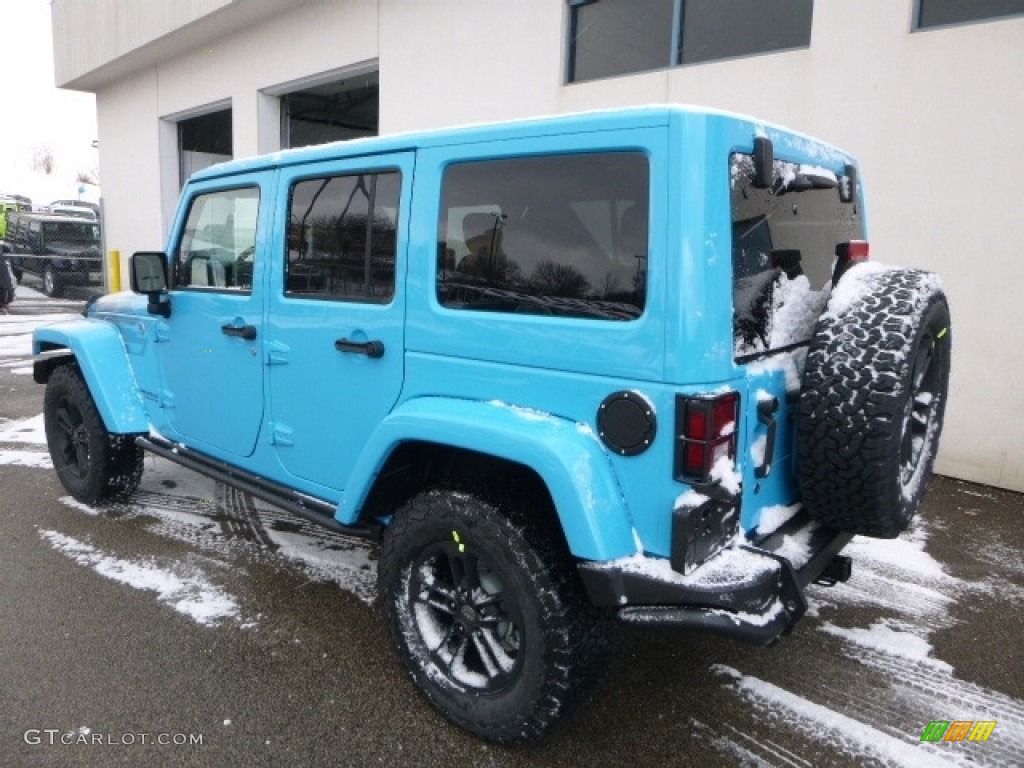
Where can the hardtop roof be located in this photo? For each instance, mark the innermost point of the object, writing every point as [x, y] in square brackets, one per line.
[598, 120]
[650, 116]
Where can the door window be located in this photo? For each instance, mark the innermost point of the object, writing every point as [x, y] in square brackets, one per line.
[342, 237]
[218, 244]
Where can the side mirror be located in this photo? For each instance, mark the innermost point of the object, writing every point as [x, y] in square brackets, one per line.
[149, 276]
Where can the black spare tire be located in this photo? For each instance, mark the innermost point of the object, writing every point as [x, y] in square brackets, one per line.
[872, 400]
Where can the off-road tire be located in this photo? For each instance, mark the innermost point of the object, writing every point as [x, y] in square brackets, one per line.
[92, 464]
[522, 598]
[872, 400]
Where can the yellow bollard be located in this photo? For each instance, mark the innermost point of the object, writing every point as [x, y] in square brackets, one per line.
[114, 271]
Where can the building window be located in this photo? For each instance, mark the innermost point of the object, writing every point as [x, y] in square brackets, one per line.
[617, 37]
[342, 237]
[203, 141]
[335, 111]
[561, 235]
[941, 13]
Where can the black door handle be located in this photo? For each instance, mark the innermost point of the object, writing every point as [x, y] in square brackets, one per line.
[372, 348]
[247, 332]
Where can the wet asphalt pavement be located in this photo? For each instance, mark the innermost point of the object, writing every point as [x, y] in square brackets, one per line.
[94, 669]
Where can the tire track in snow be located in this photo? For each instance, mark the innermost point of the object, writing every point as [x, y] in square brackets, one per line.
[903, 687]
[843, 732]
[748, 750]
[225, 522]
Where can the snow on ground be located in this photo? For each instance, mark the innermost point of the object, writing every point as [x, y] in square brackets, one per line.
[185, 506]
[849, 735]
[16, 330]
[185, 589]
[880, 636]
[27, 431]
[26, 459]
[909, 595]
[902, 678]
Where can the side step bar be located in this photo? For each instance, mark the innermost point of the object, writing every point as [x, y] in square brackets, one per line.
[307, 507]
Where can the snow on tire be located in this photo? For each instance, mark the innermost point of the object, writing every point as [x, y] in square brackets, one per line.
[488, 616]
[872, 400]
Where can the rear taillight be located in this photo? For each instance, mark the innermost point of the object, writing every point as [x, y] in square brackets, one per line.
[859, 250]
[706, 431]
[853, 250]
[847, 254]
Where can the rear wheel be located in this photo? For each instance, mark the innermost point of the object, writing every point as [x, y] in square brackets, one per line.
[488, 617]
[873, 399]
[92, 464]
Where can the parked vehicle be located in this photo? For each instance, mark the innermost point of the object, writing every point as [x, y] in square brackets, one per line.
[94, 207]
[77, 211]
[62, 250]
[628, 363]
[10, 204]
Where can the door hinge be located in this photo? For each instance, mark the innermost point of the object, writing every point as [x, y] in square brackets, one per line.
[277, 353]
[281, 435]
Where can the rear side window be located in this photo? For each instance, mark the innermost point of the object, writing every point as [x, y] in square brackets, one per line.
[784, 245]
[560, 235]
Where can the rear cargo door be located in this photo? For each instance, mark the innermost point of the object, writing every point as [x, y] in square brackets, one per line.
[785, 236]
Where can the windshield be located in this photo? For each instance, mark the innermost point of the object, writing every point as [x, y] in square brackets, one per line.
[71, 232]
[784, 241]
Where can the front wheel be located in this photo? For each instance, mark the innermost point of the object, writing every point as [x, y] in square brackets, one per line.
[52, 286]
[92, 464]
[488, 616]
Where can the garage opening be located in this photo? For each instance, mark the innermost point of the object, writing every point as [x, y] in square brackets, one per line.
[339, 110]
[203, 141]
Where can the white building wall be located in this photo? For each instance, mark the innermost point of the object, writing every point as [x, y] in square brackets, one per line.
[934, 118]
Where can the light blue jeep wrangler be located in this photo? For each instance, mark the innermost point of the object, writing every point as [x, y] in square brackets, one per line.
[627, 363]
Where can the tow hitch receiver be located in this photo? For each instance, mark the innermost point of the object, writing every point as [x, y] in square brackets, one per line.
[838, 569]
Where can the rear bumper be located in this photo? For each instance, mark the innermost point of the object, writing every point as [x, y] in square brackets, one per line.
[752, 594]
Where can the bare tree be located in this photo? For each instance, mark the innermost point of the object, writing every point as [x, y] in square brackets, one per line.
[43, 160]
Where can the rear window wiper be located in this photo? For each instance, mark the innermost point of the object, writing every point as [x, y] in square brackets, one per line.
[803, 182]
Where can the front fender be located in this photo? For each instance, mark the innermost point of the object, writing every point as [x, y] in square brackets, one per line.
[100, 354]
[567, 456]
